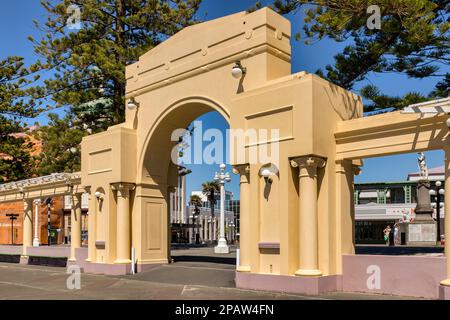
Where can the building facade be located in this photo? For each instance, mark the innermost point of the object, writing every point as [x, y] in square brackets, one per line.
[380, 204]
[11, 231]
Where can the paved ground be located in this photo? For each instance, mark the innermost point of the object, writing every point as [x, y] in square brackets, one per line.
[196, 274]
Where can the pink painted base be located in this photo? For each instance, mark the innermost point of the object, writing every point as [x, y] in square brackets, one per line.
[289, 284]
[411, 276]
[444, 292]
[107, 269]
[9, 249]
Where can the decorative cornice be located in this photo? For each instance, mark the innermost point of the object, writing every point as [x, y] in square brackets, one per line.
[69, 179]
[199, 69]
[122, 186]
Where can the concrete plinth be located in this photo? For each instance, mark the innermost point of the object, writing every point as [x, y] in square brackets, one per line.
[222, 247]
[444, 292]
[107, 269]
[290, 284]
[24, 259]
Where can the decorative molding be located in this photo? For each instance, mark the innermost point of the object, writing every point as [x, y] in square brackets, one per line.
[123, 188]
[241, 168]
[154, 84]
[310, 161]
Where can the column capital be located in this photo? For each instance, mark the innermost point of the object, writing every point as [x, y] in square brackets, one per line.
[76, 199]
[123, 188]
[308, 162]
[241, 168]
[344, 165]
[244, 171]
[37, 201]
[356, 170]
[28, 202]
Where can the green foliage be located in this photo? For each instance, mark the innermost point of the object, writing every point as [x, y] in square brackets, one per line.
[196, 200]
[210, 189]
[382, 101]
[413, 40]
[89, 64]
[84, 70]
[61, 140]
[15, 158]
[14, 96]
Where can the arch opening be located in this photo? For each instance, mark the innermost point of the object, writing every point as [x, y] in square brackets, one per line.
[192, 230]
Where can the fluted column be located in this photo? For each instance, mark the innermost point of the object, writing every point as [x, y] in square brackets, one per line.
[123, 237]
[308, 219]
[27, 229]
[446, 282]
[75, 225]
[245, 222]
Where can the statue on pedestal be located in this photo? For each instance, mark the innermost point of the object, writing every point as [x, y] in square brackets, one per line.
[423, 190]
[422, 166]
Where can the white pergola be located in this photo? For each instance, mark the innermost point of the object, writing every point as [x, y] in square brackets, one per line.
[433, 106]
[30, 191]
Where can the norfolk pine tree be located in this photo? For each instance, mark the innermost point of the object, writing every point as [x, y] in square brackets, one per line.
[413, 40]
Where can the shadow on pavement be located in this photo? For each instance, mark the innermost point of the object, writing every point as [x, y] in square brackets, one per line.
[210, 259]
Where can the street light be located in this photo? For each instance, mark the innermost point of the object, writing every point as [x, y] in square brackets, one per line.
[195, 216]
[48, 202]
[438, 192]
[132, 104]
[231, 226]
[238, 70]
[12, 217]
[221, 178]
[182, 173]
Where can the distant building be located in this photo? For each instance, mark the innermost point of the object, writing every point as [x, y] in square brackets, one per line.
[204, 228]
[381, 203]
[228, 196]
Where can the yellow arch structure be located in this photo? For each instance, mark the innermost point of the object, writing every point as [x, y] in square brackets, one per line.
[295, 232]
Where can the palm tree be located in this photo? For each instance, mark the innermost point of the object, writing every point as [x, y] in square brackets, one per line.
[209, 189]
[196, 200]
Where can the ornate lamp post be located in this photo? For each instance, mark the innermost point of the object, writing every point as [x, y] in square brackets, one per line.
[12, 217]
[438, 193]
[48, 202]
[222, 177]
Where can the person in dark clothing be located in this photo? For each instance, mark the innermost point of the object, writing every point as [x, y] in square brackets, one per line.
[391, 237]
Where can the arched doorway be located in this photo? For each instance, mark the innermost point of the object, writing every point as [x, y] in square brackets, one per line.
[159, 178]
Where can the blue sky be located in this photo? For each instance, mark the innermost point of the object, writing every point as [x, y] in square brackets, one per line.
[16, 24]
